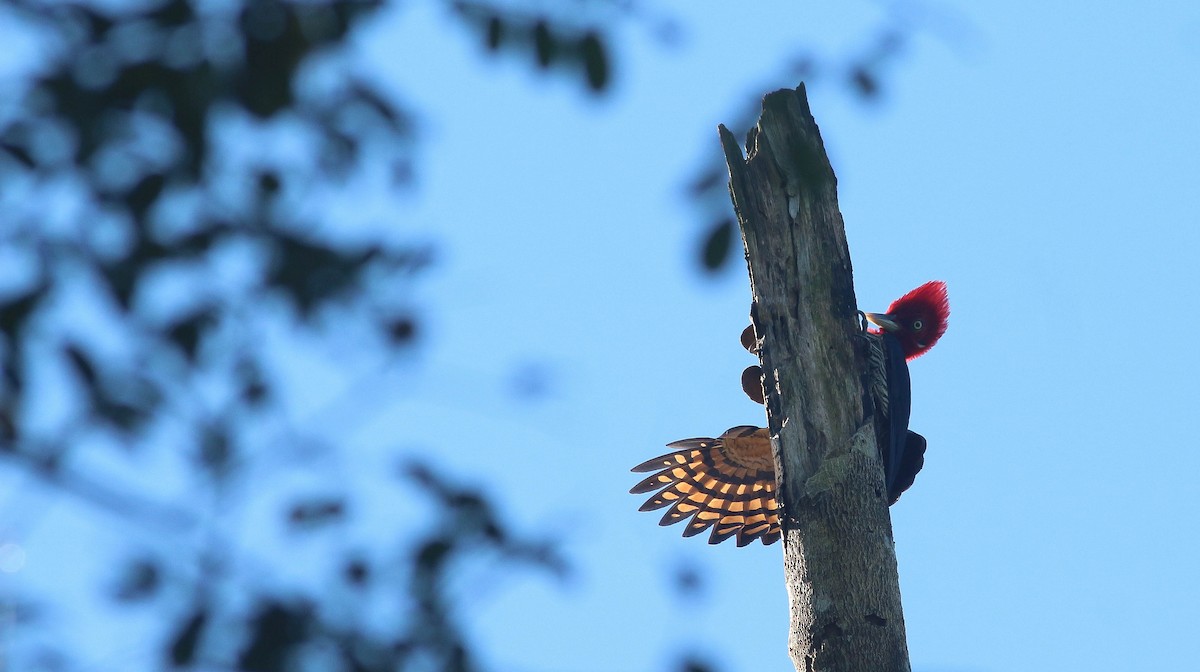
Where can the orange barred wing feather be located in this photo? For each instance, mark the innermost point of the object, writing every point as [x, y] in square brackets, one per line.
[726, 484]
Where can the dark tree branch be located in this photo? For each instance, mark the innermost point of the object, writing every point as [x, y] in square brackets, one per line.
[839, 559]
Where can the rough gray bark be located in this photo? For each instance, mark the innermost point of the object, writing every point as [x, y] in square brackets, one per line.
[839, 559]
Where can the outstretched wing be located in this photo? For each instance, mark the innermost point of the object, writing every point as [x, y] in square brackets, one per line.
[726, 483]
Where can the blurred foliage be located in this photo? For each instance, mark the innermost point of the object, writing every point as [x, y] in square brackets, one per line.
[862, 74]
[157, 226]
[573, 49]
[280, 633]
[122, 128]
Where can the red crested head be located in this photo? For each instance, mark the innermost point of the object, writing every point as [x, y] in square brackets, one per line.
[918, 319]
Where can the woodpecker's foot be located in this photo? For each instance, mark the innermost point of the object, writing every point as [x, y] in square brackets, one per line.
[866, 333]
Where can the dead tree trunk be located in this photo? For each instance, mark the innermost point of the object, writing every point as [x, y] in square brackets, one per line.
[839, 559]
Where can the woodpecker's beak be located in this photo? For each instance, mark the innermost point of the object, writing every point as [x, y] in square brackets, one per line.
[883, 321]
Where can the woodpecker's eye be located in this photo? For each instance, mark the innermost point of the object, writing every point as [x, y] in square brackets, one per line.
[917, 324]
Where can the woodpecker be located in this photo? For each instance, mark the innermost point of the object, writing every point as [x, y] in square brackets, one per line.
[727, 483]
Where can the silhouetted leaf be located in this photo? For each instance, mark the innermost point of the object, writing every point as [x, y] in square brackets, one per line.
[124, 275]
[14, 310]
[121, 414]
[595, 62]
[316, 511]
[201, 241]
[495, 32]
[367, 95]
[187, 332]
[20, 153]
[273, 50]
[253, 383]
[181, 652]
[708, 180]
[8, 429]
[276, 631]
[216, 450]
[688, 581]
[693, 664]
[545, 44]
[717, 245]
[356, 572]
[144, 194]
[141, 580]
[864, 82]
[172, 13]
[401, 330]
[269, 183]
[311, 274]
[83, 366]
[432, 554]
[126, 402]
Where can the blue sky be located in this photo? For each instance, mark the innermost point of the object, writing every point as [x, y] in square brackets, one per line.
[1041, 158]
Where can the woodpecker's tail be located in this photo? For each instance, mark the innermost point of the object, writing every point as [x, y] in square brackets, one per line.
[726, 483]
[911, 461]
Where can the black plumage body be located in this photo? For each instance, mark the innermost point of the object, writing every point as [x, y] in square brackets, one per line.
[902, 450]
